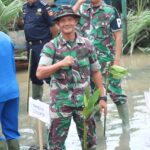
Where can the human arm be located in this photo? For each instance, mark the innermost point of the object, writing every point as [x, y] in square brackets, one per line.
[95, 74]
[77, 5]
[46, 71]
[117, 34]
[118, 46]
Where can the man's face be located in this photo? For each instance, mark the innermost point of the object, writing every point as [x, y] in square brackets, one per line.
[31, 1]
[95, 1]
[67, 24]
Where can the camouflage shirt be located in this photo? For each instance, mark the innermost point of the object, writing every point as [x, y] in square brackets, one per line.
[68, 84]
[98, 24]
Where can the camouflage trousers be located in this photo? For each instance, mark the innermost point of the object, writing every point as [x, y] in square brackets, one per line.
[113, 86]
[61, 120]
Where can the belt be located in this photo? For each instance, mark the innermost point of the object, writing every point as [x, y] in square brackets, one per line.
[35, 42]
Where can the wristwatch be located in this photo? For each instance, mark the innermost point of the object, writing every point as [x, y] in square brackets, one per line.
[103, 98]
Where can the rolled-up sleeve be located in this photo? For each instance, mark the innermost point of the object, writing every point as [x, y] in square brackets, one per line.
[45, 60]
[95, 66]
[47, 55]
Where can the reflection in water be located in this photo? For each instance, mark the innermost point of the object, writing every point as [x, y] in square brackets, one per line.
[124, 140]
[134, 84]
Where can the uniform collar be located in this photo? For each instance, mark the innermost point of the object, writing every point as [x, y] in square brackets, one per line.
[78, 39]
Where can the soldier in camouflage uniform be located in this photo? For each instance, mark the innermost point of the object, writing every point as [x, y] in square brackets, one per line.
[102, 25]
[70, 60]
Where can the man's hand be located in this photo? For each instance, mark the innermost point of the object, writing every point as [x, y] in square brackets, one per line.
[81, 1]
[67, 61]
[77, 5]
[103, 106]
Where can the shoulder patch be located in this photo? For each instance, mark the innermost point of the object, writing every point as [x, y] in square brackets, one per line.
[50, 12]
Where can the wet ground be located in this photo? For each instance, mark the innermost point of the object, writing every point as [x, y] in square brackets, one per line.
[134, 84]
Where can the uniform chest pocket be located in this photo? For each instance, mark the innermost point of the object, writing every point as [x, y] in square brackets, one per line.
[84, 68]
[36, 15]
[60, 80]
[103, 29]
[38, 18]
[62, 74]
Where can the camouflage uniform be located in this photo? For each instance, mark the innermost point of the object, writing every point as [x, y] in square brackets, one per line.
[67, 87]
[98, 24]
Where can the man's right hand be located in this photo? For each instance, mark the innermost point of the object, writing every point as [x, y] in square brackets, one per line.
[67, 61]
[81, 1]
[76, 7]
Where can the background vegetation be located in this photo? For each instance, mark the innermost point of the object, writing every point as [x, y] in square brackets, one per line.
[139, 25]
[9, 11]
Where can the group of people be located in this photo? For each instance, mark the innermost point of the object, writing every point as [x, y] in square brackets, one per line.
[72, 50]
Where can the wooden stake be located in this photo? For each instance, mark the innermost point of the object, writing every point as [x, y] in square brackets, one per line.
[40, 134]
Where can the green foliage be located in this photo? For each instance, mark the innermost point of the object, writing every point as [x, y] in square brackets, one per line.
[90, 102]
[2, 6]
[7, 2]
[138, 25]
[9, 12]
[138, 28]
[138, 5]
[118, 72]
[145, 49]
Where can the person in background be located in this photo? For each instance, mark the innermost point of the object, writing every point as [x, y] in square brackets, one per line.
[101, 23]
[9, 95]
[38, 29]
[70, 60]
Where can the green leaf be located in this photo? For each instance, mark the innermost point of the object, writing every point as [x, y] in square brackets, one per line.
[94, 98]
[89, 102]
[85, 100]
[118, 72]
[96, 109]
[2, 7]
[8, 13]
[87, 112]
[87, 92]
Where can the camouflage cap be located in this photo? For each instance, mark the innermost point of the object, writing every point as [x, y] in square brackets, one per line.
[65, 10]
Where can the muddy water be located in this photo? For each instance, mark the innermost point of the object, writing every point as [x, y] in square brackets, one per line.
[134, 84]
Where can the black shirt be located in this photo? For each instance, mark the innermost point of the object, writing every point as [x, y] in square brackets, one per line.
[37, 21]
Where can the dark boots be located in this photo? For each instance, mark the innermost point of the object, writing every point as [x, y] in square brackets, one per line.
[3, 145]
[124, 115]
[37, 91]
[10, 145]
[13, 144]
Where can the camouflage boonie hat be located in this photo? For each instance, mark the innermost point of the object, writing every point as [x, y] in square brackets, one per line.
[65, 10]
